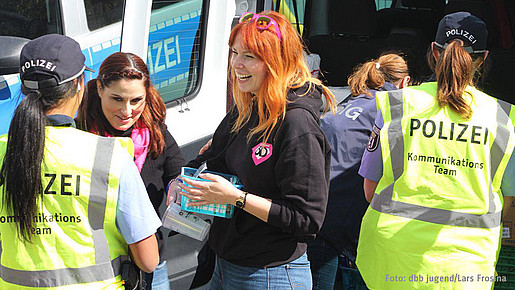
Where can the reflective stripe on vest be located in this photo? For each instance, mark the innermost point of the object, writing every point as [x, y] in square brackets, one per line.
[105, 268]
[383, 202]
[63, 277]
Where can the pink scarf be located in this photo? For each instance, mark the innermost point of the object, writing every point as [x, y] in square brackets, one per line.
[141, 138]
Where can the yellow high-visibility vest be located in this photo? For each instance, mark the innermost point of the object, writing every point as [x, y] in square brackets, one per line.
[76, 244]
[434, 220]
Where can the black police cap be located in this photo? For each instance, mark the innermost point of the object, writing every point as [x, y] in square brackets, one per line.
[51, 60]
[464, 26]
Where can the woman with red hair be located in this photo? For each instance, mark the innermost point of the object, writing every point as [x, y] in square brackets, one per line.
[122, 102]
[271, 139]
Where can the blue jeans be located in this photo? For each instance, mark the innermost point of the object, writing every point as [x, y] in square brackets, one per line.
[324, 264]
[159, 278]
[351, 278]
[293, 275]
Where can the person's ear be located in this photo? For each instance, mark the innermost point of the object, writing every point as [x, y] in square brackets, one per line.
[78, 84]
[404, 82]
[486, 54]
[434, 51]
[482, 60]
[99, 87]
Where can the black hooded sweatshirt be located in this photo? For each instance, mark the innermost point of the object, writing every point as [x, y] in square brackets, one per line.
[292, 170]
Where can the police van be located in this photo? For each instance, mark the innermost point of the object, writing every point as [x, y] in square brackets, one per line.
[185, 45]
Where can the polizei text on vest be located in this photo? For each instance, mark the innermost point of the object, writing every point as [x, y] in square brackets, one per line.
[459, 132]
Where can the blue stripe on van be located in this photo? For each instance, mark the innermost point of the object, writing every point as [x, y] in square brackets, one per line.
[170, 47]
[10, 97]
[96, 54]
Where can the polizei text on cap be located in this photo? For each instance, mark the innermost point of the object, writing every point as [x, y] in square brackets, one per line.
[38, 62]
[461, 32]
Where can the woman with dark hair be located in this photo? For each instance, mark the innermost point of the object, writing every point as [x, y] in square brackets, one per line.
[348, 132]
[65, 192]
[436, 173]
[271, 139]
[122, 102]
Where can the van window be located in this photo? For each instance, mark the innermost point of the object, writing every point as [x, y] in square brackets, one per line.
[296, 18]
[101, 13]
[30, 18]
[381, 4]
[287, 8]
[174, 46]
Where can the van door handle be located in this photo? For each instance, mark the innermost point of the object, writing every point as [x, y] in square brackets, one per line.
[182, 105]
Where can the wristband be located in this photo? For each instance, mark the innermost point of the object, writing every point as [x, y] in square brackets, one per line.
[242, 200]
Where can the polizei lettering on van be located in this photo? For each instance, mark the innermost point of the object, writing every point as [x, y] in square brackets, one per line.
[449, 131]
[38, 62]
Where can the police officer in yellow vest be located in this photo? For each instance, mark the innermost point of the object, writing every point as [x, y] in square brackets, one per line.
[435, 171]
[72, 203]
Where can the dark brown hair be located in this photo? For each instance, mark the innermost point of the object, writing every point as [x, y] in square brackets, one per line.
[117, 66]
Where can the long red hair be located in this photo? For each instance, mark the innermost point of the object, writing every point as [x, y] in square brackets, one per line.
[286, 69]
[117, 66]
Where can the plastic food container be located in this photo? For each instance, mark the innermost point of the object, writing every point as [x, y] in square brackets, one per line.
[220, 210]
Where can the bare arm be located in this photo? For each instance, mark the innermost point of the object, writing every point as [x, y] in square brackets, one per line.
[370, 187]
[145, 253]
[205, 147]
[220, 191]
[258, 206]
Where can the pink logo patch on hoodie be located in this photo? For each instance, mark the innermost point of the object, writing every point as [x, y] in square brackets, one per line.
[261, 152]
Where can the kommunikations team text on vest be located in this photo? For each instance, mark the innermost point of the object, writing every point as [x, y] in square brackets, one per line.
[65, 187]
[458, 132]
[44, 218]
